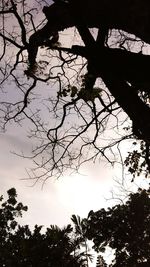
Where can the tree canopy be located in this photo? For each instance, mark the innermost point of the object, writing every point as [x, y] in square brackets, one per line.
[125, 228]
[20, 246]
[83, 97]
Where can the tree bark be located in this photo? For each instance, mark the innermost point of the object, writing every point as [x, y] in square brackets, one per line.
[107, 65]
[128, 99]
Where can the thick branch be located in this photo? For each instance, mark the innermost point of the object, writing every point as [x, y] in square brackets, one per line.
[136, 109]
[130, 67]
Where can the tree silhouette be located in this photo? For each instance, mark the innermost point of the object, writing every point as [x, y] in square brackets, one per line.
[19, 246]
[124, 228]
[80, 232]
[93, 83]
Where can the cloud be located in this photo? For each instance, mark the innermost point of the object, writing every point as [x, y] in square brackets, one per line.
[59, 199]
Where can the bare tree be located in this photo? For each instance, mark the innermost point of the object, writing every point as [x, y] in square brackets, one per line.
[91, 80]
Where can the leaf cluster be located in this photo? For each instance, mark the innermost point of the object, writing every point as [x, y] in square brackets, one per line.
[125, 228]
[19, 246]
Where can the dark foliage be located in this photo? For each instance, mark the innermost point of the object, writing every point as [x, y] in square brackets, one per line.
[125, 228]
[19, 246]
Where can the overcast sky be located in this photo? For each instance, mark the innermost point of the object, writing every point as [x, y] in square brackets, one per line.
[59, 199]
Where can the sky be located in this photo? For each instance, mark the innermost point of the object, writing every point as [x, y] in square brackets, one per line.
[98, 185]
[58, 199]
